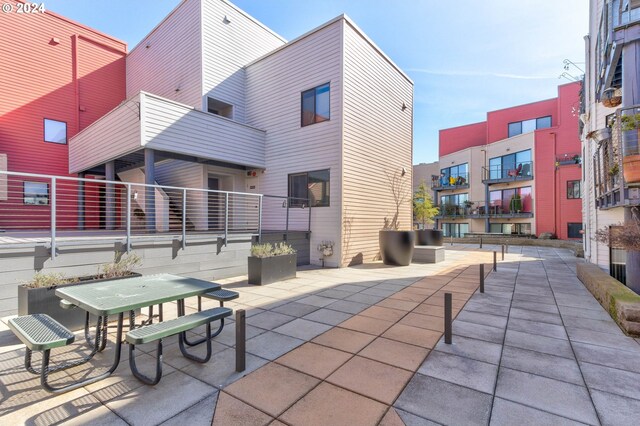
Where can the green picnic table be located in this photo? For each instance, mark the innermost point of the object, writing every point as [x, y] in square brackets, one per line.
[126, 295]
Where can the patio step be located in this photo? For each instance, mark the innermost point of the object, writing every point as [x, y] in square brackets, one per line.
[40, 332]
[153, 332]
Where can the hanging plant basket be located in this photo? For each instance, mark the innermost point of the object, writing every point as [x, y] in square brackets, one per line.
[611, 97]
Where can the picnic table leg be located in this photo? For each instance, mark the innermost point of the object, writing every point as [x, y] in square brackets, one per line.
[181, 312]
[44, 373]
[101, 333]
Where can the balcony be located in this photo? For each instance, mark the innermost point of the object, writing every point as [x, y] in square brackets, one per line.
[512, 173]
[507, 209]
[616, 161]
[569, 159]
[450, 183]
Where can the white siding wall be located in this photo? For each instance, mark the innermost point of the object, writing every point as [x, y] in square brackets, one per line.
[173, 127]
[274, 87]
[377, 140]
[115, 134]
[173, 59]
[227, 48]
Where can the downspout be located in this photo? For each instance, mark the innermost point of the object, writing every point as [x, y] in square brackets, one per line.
[76, 87]
[555, 188]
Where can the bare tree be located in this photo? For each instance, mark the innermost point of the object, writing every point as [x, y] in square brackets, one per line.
[400, 192]
[626, 236]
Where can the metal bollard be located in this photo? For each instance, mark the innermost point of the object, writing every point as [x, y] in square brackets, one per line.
[503, 252]
[495, 261]
[482, 278]
[480, 242]
[451, 239]
[447, 318]
[241, 334]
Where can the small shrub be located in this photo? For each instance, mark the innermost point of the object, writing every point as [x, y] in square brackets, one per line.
[46, 279]
[268, 250]
[121, 266]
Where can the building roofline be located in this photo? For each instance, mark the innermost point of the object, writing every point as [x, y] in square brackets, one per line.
[463, 125]
[325, 25]
[86, 27]
[233, 6]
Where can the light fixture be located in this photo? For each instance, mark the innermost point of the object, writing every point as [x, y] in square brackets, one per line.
[403, 172]
[404, 106]
[147, 46]
[54, 40]
[226, 20]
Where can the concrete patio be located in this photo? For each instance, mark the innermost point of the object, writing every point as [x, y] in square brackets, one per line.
[362, 345]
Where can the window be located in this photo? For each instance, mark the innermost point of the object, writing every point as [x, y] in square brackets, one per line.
[454, 200]
[36, 193]
[573, 189]
[503, 202]
[456, 230]
[526, 126]
[312, 186]
[55, 131]
[573, 230]
[315, 105]
[217, 107]
[511, 228]
[455, 175]
[511, 165]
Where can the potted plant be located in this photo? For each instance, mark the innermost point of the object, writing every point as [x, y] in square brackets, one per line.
[424, 211]
[396, 246]
[467, 206]
[630, 147]
[326, 250]
[516, 203]
[37, 296]
[269, 263]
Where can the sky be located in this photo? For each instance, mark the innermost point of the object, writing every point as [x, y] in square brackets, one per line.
[465, 58]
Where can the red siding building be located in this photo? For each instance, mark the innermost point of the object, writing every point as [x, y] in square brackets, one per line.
[528, 155]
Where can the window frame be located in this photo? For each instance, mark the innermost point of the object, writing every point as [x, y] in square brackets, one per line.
[521, 124]
[35, 195]
[44, 131]
[297, 202]
[573, 184]
[315, 104]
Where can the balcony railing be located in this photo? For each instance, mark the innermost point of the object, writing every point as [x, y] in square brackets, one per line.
[56, 210]
[508, 173]
[569, 159]
[513, 208]
[443, 182]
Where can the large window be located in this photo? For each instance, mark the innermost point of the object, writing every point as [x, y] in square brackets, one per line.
[511, 165]
[455, 175]
[573, 189]
[313, 186]
[315, 105]
[511, 228]
[36, 193]
[453, 205]
[456, 230]
[217, 107]
[55, 131]
[506, 201]
[573, 230]
[526, 126]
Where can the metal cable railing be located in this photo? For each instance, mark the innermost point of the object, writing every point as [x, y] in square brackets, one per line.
[57, 209]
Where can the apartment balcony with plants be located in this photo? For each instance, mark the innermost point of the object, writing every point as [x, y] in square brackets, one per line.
[452, 178]
[509, 168]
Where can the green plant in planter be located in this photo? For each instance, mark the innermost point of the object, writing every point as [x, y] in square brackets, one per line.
[122, 265]
[516, 203]
[46, 279]
[630, 122]
[614, 170]
[269, 250]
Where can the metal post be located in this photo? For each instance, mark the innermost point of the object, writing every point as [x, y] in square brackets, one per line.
[495, 261]
[503, 252]
[53, 217]
[81, 208]
[482, 278]
[150, 191]
[480, 242]
[286, 232]
[226, 217]
[260, 219]
[240, 340]
[128, 217]
[184, 219]
[447, 318]
[451, 239]
[110, 195]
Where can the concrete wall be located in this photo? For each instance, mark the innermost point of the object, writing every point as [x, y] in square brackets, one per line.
[422, 173]
[300, 241]
[202, 259]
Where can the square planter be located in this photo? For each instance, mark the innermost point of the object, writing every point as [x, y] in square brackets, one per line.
[267, 270]
[43, 300]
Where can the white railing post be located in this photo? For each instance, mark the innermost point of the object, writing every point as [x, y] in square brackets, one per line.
[184, 219]
[53, 217]
[128, 218]
[260, 218]
[226, 217]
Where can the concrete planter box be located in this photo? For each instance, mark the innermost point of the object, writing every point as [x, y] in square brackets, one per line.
[622, 304]
[43, 300]
[267, 270]
[396, 247]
